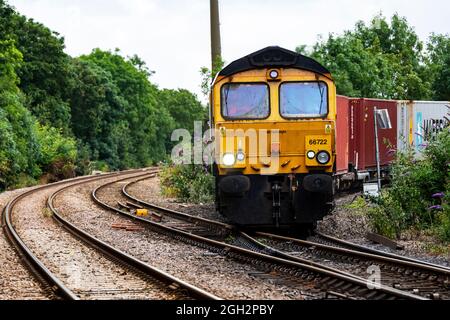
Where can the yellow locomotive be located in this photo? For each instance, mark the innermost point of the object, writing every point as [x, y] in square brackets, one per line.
[273, 113]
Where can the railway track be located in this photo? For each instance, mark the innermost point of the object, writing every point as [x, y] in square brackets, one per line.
[323, 282]
[325, 239]
[419, 278]
[99, 271]
[185, 222]
[407, 274]
[322, 238]
[53, 286]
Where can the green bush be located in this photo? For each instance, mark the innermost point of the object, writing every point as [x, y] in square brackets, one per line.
[443, 218]
[408, 202]
[58, 153]
[22, 181]
[189, 183]
[101, 166]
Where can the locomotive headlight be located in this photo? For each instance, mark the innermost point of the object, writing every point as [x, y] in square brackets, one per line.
[311, 155]
[323, 157]
[240, 156]
[228, 159]
[274, 74]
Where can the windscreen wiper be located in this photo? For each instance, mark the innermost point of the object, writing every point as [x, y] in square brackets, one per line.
[226, 98]
[321, 91]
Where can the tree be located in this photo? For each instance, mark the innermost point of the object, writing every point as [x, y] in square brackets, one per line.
[183, 106]
[380, 60]
[45, 75]
[439, 65]
[184, 109]
[139, 126]
[18, 143]
[57, 111]
[93, 102]
[442, 82]
[208, 75]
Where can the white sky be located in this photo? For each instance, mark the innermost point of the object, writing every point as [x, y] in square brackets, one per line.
[172, 36]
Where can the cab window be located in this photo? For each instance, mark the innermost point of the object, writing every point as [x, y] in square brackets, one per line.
[304, 99]
[245, 101]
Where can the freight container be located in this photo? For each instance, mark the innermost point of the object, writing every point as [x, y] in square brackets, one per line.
[342, 134]
[417, 120]
[362, 151]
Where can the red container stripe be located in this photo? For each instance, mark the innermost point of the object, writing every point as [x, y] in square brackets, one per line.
[362, 133]
[342, 134]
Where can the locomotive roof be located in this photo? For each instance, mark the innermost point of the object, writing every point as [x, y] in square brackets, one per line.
[274, 56]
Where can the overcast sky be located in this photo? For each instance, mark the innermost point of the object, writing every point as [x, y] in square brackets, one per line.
[172, 36]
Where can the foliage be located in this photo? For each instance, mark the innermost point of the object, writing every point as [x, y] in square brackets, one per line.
[140, 127]
[188, 183]
[83, 163]
[385, 59]
[439, 65]
[357, 203]
[94, 102]
[18, 143]
[45, 70]
[443, 217]
[408, 202]
[184, 110]
[208, 75]
[183, 106]
[101, 105]
[58, 153]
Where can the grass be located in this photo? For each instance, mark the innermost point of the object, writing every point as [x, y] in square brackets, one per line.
[187, 183]
[47, 213]
[437, 249]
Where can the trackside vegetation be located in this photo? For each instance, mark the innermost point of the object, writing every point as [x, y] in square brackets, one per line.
[419, 193]
[188, 183]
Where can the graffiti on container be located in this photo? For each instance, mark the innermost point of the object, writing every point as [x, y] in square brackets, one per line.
[419, 134]
[432, 127]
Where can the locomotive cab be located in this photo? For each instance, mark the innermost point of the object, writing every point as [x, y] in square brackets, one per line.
[274, 115]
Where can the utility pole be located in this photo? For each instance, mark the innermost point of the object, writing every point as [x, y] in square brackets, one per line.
[216, 50]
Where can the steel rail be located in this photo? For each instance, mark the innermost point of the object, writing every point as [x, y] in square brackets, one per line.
[361, 248]
[408, 273]
[174, 213]
[34, 264]
[122, 256]
[183, 216]
[407, 263]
